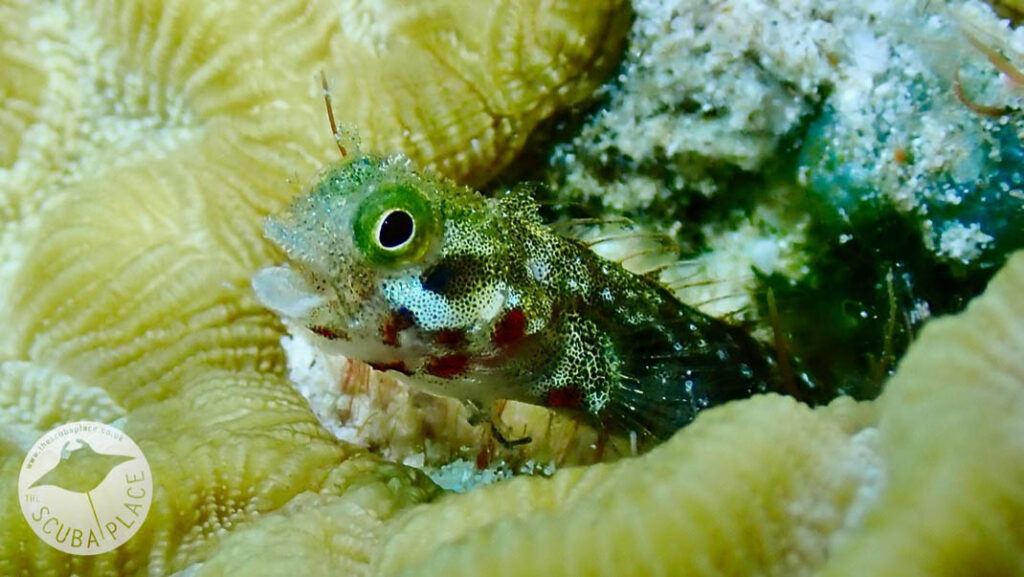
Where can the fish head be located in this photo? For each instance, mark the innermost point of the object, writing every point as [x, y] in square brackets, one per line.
[397, 269]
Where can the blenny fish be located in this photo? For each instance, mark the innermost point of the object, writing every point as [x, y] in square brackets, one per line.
[476, 298]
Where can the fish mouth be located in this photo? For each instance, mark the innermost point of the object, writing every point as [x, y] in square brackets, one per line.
[288, 293]
[297, 289]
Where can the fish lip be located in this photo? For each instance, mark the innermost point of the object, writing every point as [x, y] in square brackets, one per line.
[287, 292]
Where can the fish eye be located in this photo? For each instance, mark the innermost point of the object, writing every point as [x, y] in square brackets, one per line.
[396, 228]
[396, 225]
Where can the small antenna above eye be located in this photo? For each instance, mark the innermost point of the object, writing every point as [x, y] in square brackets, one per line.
[330, 114]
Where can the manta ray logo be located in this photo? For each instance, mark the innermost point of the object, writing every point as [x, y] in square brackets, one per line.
[85, 488]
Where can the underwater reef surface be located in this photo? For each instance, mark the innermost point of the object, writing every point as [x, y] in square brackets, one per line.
[861, 160]
[141, 145]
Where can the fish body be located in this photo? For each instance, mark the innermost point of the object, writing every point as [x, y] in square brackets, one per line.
[475, 298]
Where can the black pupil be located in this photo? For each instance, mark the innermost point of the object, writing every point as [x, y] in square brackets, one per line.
[396, 229]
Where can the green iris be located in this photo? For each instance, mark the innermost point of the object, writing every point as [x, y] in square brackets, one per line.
[395, 226]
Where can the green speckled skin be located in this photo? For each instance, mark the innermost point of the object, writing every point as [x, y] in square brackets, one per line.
[485, 302]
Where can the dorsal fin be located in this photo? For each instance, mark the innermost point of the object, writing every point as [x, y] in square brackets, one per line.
[618, 239]
[695, 281]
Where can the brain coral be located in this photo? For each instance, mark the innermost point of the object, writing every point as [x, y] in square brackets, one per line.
[142, 143]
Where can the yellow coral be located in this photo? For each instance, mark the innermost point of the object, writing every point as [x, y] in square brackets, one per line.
[141, 144]
[741, 492]
[952, 431]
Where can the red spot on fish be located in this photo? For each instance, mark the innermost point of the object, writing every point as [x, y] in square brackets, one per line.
[510, 328]
[483, 458]
[392, 366]
[447, 366]
[453, 338]
[568, 397]
[395, 323]
[325, 332]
